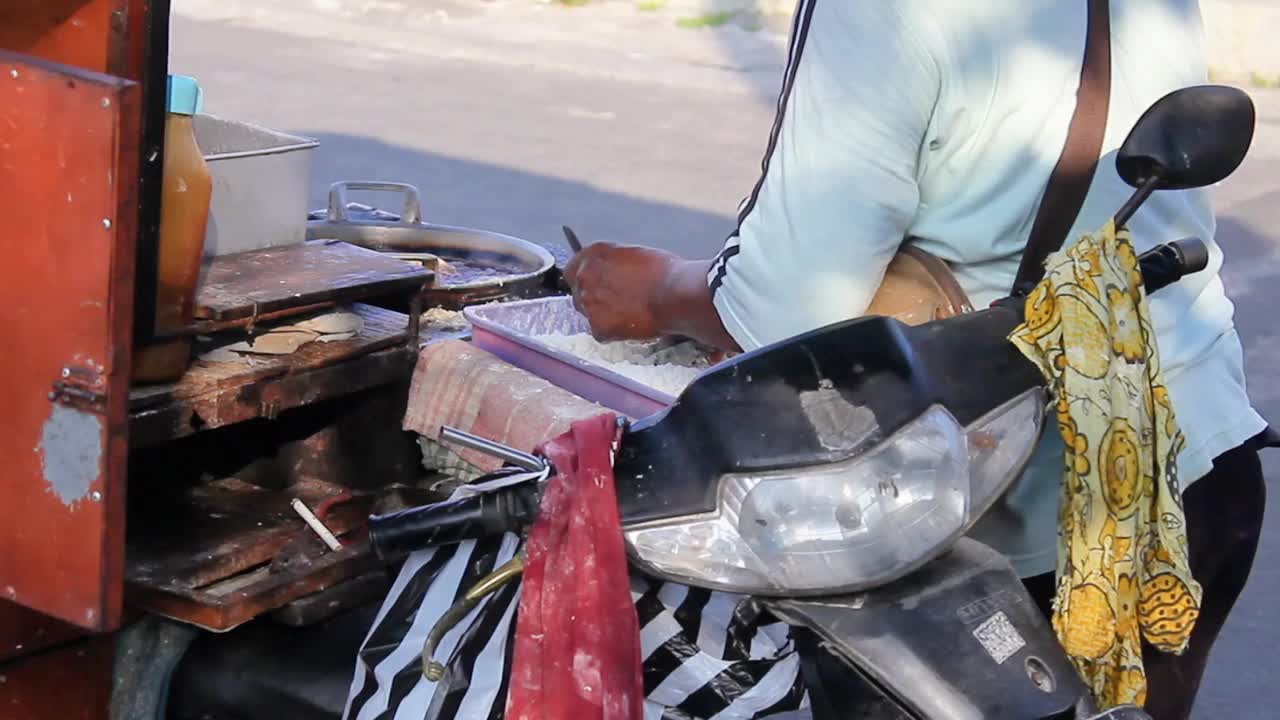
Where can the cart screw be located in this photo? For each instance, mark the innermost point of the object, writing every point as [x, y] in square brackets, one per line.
[95, 496]
[13, 74]
[106, 223]
[66, 372]
[106, 102]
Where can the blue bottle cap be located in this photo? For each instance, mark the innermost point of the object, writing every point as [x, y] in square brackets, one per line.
[185, 95]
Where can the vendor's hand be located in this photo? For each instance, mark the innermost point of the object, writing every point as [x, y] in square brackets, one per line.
[616, 286]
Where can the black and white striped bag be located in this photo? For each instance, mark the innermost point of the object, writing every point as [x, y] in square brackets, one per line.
[706, 654]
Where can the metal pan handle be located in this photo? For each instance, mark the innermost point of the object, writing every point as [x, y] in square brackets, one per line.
[411, 214]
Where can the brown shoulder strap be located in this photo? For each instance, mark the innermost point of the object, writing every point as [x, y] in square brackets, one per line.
[1069, 183]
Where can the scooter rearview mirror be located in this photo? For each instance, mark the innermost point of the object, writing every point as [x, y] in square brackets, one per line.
[1190, 138]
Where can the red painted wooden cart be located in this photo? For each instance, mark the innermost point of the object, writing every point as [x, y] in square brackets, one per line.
[203, 534]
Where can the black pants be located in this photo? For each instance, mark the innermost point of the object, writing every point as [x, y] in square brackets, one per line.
[1224, 520]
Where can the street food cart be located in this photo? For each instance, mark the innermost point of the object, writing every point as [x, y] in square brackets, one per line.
[177, 500]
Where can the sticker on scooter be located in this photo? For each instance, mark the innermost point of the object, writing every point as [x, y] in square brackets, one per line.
[999, 637]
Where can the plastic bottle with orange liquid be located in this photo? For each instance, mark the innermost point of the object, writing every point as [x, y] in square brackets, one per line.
[184, 212]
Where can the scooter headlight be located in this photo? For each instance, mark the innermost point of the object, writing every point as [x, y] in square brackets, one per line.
[852, 525]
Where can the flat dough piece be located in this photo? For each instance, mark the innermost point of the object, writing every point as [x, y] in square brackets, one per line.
[281, 341]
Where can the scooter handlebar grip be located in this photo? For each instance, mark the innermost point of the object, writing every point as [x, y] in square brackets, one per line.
[400, 533]
[397, 534]
[1166, 264]
[1195, 255]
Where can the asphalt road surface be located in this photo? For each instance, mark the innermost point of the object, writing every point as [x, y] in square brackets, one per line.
[524, 148]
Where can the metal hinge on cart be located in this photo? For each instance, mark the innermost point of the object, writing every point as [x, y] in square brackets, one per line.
[80, 388]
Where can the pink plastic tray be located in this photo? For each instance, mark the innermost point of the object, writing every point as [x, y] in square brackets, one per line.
[510, 330]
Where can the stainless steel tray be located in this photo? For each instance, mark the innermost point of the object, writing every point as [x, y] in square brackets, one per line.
[260, 180]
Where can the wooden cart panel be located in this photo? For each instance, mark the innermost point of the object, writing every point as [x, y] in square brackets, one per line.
[68, 193]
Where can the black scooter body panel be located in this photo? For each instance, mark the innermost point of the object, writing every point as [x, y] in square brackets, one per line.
[954, 640]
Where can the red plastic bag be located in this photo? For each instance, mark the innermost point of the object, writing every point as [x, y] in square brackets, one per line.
[577, 645]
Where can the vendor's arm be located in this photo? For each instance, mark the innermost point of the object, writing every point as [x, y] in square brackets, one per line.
[631, 292]
[837, 196]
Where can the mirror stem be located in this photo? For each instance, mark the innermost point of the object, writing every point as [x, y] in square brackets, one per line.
[1135, 201]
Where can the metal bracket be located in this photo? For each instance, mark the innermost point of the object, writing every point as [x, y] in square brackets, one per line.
[509, 455]
[269, 409]
[270, 403]
[80, 388]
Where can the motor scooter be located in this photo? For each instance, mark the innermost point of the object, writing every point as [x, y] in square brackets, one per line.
[833, 477]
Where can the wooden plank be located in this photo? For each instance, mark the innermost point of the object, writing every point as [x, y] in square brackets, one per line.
[267, 397]
[237, 600]
[370, 587]
[227, 527]
[217, 394]
[221, 553]
[68, 182]
[380, 329]
[273, 279]
[209, 327]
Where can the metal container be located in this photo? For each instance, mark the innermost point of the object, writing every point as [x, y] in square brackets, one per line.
[405, 232]
[260, 180]
[510, 331]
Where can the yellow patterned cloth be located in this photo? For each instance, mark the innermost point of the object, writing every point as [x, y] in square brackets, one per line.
[1123, 573]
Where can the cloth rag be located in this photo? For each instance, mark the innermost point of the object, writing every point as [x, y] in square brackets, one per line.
[577, 641]
[1123, 568]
